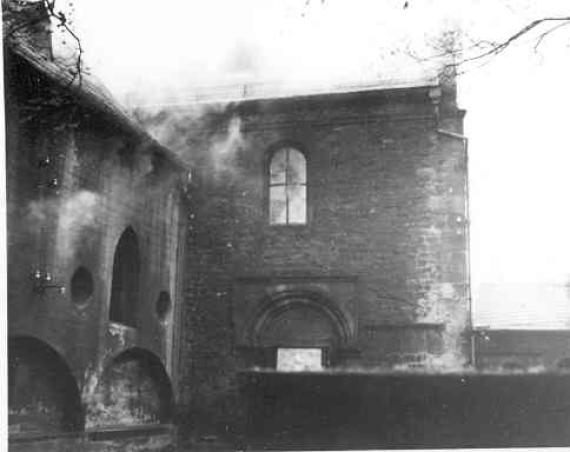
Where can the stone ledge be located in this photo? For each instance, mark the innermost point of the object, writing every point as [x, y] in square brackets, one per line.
[99, 434]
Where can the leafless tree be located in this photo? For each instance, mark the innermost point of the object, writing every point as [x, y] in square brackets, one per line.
[17, 24]
[27, 26]
[461, 50]
[62, 21]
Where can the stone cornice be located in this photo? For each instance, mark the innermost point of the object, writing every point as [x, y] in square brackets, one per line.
[254, 125]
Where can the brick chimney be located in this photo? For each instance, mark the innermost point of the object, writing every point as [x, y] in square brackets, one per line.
[29, 22]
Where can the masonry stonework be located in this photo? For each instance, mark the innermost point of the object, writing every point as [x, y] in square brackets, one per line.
[379, 267]
[79, 174]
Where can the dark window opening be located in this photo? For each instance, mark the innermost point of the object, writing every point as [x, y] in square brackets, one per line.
[288, 187]
[125, 285]
[81, 286]
[163, 305]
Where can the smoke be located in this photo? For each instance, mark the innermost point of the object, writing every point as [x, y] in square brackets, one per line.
[73, 214]
[77, 212]
[193, 45]
[223, 152]
[202, 135]
[38, 212]
[182, 128]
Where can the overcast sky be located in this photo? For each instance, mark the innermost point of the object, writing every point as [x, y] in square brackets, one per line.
[517, 118]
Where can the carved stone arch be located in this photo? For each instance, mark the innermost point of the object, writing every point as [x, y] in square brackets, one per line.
[276, 306]
[285, 143]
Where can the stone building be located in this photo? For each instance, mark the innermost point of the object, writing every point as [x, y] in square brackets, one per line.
[305, 283]
[329, 234]
[96, 227]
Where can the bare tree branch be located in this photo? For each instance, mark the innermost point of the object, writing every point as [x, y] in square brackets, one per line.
[548, 32]
[499, 48]
[482, 49]
[60, 17]
[17, 24]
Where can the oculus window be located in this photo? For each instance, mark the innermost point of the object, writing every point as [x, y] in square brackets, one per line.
[288, 187]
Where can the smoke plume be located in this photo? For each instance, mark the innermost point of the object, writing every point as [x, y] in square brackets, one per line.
[76, 212]
[70, 215]
[222, 152]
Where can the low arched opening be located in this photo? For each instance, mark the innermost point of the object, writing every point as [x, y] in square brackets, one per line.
[134, 389]
[43, 394]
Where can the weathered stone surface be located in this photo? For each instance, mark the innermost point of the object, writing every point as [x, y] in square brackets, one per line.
[76, 180]
[383, 252]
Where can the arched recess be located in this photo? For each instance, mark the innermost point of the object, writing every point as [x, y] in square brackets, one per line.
[313, 303]
[134, 389]
[43, 394]
[299, 320]
[298, 325]
[126, 280]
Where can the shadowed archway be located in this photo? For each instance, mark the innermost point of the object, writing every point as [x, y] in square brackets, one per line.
[134, 389]
[126, 279]
[43, 394]
[297, 320]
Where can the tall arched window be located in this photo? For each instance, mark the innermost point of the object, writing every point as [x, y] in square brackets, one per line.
[125, 285]
[288, 187]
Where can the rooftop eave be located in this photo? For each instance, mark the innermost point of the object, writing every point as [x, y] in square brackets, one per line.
[90, 94]
[243, 94]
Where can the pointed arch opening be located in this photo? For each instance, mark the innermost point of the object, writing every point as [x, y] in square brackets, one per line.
[126, 280]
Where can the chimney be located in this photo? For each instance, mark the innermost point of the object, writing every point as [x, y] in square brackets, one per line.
[29, 23]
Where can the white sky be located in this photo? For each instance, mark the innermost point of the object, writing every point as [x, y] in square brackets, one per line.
[516, 120]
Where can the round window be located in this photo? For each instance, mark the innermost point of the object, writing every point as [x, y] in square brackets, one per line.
[163, 305]
[81, 286]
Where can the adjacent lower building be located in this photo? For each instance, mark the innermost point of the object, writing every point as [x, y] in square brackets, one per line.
[522, 350]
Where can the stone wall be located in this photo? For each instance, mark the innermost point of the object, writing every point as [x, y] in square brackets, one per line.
[356, 411]
[76, 181]
[382, 256]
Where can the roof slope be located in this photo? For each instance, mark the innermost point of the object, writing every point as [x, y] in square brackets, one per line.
[87, 90]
